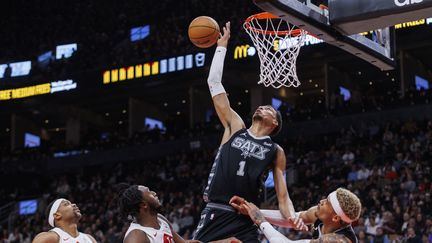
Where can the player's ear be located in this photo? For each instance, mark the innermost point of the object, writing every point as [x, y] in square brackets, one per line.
[144, 204]
[275, 122]
[57, 216]
[336, 218]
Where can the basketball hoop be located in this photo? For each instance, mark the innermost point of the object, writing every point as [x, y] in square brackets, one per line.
[278, 44]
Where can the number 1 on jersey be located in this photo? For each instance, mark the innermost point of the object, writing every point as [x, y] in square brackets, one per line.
[240, 171]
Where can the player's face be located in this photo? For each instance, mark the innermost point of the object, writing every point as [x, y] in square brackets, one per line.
[325, 210]
[69, 210]
[150, 197]
[266, 113]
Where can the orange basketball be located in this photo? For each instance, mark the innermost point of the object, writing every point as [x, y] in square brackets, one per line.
[203, 31]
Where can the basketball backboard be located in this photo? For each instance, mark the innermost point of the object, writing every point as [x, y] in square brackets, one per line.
[354, 16]
[341, 23]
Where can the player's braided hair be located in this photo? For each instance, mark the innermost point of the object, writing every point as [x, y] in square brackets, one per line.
[349, 203]
[128, 201]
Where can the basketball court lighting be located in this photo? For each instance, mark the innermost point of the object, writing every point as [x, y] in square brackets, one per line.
[165, 104]
[124, 111]
[107, 114]
[316, 85]
[178, 113]
[184, 101]
[46, 121]
[7, 129]
[246, 91]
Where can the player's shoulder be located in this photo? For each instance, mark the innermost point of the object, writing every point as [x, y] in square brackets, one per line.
[279, 148]
[91, 238]
[46, 237]
[136, 236]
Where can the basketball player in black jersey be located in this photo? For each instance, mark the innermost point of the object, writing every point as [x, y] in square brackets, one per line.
[331, 218]
[244, 156]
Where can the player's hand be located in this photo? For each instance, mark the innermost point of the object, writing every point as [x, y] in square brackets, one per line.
[223, 40]
[246, 208]
[238, 203]
[298, 224]
[254, 213]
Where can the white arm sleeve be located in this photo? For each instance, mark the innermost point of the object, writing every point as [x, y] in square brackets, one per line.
[276, 218]
[275, 236]
[216, 69]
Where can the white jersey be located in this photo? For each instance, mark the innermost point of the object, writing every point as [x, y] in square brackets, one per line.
[161, 235]
[67, 238]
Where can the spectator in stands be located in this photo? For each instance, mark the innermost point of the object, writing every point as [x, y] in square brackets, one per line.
[371, 224]
[353, 175]
[412, 237]
[380, 237]
[363, 173]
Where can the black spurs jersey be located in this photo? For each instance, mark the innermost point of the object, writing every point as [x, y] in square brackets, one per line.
[239, 166]
[346, 231]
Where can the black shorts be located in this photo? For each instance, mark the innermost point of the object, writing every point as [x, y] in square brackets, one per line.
[220, 221]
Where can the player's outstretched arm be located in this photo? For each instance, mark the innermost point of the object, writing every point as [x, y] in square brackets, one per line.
[300, 221]
[285, 205]
[309, 216]
[274, 217]
[258, 218]
[274, 236]
[229, 118]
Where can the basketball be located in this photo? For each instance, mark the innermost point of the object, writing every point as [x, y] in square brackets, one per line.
[203, 31]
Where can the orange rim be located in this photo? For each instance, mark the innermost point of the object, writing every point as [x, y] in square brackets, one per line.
[267, 15]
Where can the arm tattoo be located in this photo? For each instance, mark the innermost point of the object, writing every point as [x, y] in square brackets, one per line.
[258, 217]
[331, 238]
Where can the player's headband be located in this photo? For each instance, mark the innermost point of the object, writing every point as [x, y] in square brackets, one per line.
[53, 210]
[337, 208]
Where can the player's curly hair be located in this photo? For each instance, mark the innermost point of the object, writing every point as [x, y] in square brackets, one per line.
[128, 201]
[349, 203]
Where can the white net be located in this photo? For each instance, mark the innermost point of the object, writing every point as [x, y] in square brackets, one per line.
[278, 45]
